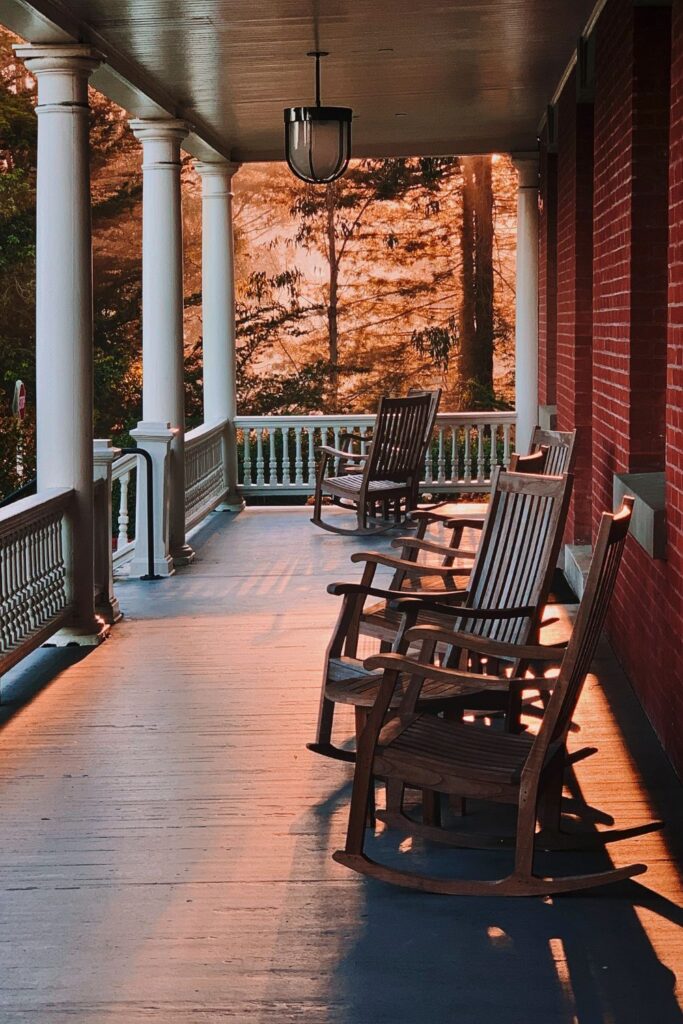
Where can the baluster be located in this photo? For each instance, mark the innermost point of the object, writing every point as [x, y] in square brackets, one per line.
[481, 468]
[336, 438]
[506, 444]
[429, 466]
[286, 477]
[467, 475]
[455, 461]
[272, 460]
[34, 572]
[247, 478]
[441, 462]
[259, 457]
[4, 593]
[123, 538]
[311, 455]
[298, 461]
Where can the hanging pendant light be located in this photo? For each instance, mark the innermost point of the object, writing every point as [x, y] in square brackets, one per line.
[318, 139]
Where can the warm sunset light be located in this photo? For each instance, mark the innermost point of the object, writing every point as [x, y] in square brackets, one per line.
[341, 512]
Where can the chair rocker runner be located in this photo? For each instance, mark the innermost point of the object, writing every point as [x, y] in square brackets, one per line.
[471, 760]
[504, 599]
[388, 476]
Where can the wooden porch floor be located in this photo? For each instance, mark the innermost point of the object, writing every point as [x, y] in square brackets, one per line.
[165, 836]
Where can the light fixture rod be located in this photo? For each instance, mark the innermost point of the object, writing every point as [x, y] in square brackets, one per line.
[317, 54]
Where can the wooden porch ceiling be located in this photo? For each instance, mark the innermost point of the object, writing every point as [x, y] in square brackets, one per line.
[422, 76]
[166, 838]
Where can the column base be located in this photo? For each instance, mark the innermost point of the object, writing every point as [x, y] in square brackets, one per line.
[232, 503]
[110, 612]
[139, 567]
[74, 636]
[183, 555]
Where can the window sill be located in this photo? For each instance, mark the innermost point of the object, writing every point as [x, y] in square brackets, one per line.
[648, 524]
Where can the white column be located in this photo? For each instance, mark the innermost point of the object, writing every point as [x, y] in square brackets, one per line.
[526, 306]
[218, 310]
[64, 317]
[163, 397]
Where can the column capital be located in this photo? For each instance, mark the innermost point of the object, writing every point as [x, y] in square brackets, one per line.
[526, 165]
[39, 57]
[221, 169]
[62, 71]
[159, 129]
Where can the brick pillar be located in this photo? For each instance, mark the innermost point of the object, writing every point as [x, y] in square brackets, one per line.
[575, 296]
[633, 52]
[547, 276]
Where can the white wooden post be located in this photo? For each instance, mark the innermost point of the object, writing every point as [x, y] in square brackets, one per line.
[64, 319]
[218, 311]
[163, 397]
[157, 439]
[526, 305]
[106, 601]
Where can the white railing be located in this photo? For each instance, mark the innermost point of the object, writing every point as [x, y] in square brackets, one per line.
[34, 579]
[277, 454]
[123, 473]
[206, 483]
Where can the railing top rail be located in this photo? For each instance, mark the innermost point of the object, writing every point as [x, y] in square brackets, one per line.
[204, 432]
[25, 511]
[362, 420]
[122, 465]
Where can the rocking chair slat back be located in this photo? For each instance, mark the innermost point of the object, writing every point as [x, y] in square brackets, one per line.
[399, 435]
[518, 552]
[560, 444]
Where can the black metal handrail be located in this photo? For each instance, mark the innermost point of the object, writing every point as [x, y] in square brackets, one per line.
[21, 492]
[150, 575]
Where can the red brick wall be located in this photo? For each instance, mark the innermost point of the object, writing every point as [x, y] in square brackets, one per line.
[637, 419]
[630, 242]
[547, 280]
[575, 296]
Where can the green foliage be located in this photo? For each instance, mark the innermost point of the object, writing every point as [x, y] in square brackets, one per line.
[16, 439]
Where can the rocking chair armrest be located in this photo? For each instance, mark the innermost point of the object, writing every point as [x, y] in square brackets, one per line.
[336, 453]
[471, 682]
[483, 645]
[341, 589]
[412, 568]
[431, 515]
[427, 602]
[470, 524]
[430, 545]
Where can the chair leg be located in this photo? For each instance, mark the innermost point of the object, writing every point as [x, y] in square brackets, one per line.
[361, 715]
[431, 807]
[457, 804]
[550, 799]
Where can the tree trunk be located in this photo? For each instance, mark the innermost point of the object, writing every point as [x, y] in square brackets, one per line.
[466, 315]
[483, 352]
[475, 322]
[332, 299]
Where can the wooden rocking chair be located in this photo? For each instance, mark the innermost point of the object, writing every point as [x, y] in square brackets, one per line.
[504, 599]
[388, 475]
[559, 445]
[464, 759]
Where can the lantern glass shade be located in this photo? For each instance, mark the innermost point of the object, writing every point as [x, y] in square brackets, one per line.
[318, 142]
